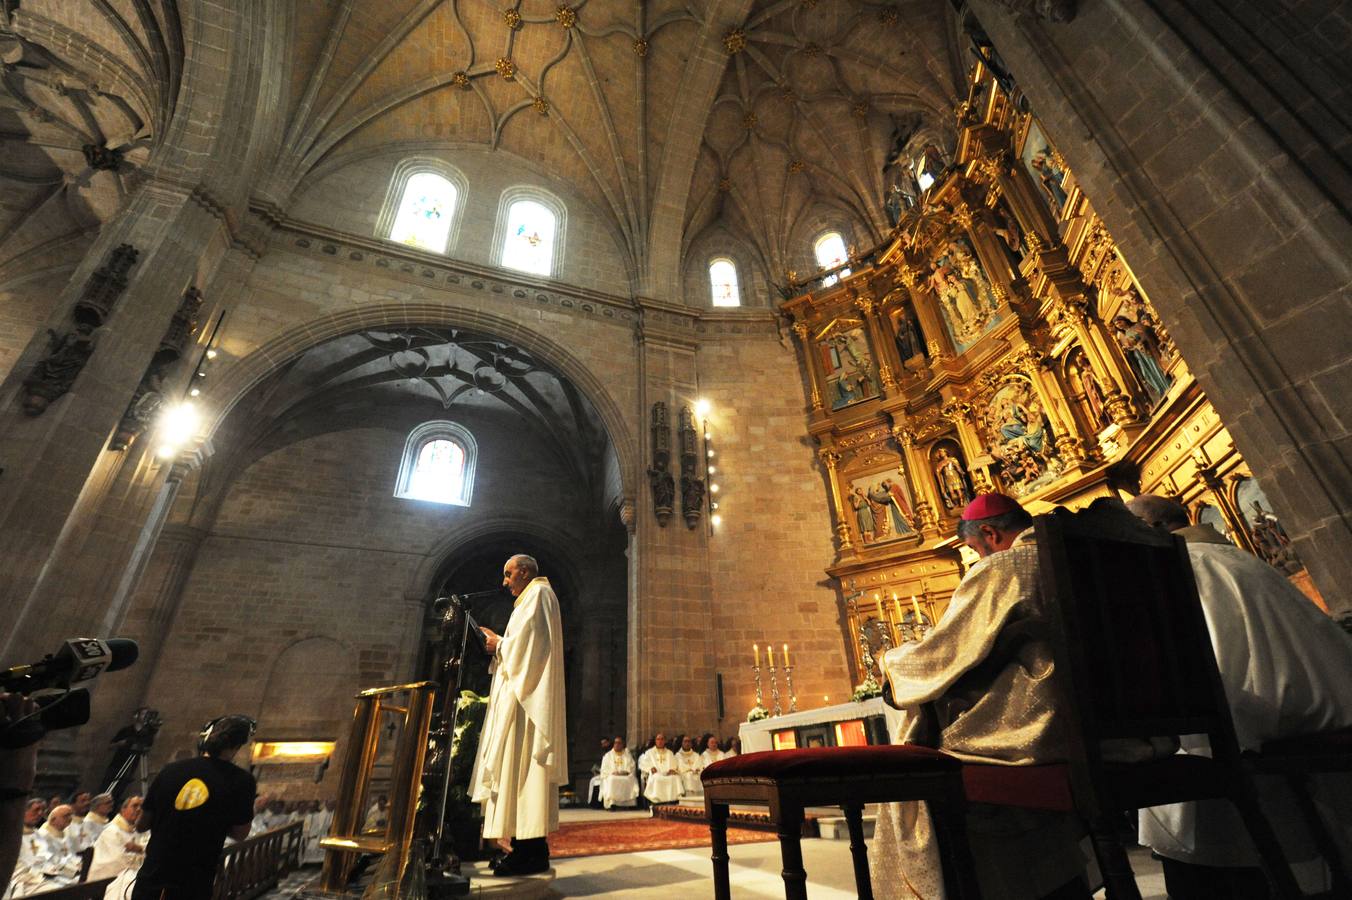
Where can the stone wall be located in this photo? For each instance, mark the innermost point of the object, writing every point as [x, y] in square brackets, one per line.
[768, 555]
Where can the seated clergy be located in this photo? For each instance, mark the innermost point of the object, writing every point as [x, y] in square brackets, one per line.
[689, 765]
[619, 783]
[662, 782]
[100, 809]
[711, 754]
[60, 860]
[986, 670]
[594, 786]
[80, 802]
[119, 847]
[317, 823]
[29, 875]
[1286, 667]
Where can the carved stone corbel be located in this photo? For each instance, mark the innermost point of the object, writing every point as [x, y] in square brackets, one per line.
[692, 487]
[659, 476]
[68, 351]
[148, 399]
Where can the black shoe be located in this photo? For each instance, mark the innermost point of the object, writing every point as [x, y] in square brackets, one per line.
[497, 860]
[522, 864]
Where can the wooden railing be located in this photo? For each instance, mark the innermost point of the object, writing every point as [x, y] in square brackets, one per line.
[246, 870]
[255, 866]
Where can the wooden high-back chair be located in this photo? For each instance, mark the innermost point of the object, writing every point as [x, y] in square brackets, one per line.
[1135, 662]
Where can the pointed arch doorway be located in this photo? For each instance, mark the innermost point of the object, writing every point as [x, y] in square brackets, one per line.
[590, 582]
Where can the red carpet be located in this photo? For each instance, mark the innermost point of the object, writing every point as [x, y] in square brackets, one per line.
[629, 835]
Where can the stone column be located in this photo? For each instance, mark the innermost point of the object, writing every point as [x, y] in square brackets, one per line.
[938, 342]
[804, 335]
[55, 464]
[831, 459]
[1090, 336]
[868, 308]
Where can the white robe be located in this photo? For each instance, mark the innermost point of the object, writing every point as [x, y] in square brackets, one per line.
[29, 875]
[689, 765]
[664, 785]
[523, 751]
[59, 861]
[619, 784]
[1286, 668]
[709, 757]
[111, 855]
[316, 829]
[92, 828]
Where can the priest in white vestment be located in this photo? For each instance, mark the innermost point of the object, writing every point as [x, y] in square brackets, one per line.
[119, 847]
[61, 861]
[662, 783]
[100, 811]
[712, 753]
[317, 824]
[523, 751]
[619, 779]
[688, 766]
[1286, 668]
[28, 876]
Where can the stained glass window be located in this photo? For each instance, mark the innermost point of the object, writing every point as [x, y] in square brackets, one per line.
[830, 250]
[425, 210]
[723, 281]
[438, 464]
[529, 243]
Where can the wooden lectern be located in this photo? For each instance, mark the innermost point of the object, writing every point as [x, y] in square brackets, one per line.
[347, 838]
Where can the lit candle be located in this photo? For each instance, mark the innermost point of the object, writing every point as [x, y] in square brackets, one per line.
[917, 609]
[769, 654]
[897, 604]
[786, 656]
[755, 654]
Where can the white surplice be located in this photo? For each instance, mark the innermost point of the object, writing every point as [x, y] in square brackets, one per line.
[619, 781]
[316, 829]
[1286, 668]
[664, 785]
[523, 751]
[689, 766]
[111, 854]
[92, 828]
[709, 757]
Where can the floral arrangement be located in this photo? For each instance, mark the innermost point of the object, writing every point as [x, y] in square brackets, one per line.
[757, 713]
[867, 689]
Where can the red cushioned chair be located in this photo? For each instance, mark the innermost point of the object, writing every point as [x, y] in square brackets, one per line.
[788, 781]
[1297, 758]
[1136, 662]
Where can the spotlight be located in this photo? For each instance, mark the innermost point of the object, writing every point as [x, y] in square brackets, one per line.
[715, 519]
[712, 470]
[195, 392]
[211, 354]
[177, 427]
[713, 489]
[709, 454]
[702, 408]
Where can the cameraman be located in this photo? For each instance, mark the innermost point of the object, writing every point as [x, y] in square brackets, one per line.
[18, 766]
[192, 806]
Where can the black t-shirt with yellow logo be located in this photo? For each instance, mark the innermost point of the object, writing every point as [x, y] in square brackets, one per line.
[192, 803]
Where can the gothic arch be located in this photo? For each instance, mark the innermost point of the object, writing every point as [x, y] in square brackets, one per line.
[271, 356]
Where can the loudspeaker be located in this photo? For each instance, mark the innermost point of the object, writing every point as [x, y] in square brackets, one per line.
[718, 683]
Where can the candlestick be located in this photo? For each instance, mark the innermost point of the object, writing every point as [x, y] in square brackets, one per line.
[756, 668]
[774, 690]
[793, 698]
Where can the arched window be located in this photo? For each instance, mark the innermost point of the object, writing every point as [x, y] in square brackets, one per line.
[831, 252]
[529, 237]
[723, 282]
[438, 464]
[423, 204]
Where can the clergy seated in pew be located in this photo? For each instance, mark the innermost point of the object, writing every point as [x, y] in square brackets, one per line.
[688, 766]
[101, 810]
[46, 857]
[119, 847]
[712, 752]
[317, 819]
[981, 687]
[1286, 668]
[619, 779]
[661, 780]
[594, 786]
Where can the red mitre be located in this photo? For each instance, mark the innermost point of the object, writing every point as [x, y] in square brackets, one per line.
[987, 506]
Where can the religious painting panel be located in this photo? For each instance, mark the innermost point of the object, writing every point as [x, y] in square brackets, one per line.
[969, 306]
[1019, 437]
[1047, 173]
[1270, 540]
[848, 367]
[1006, 227]
[951, 476]
[880, 506]
[906, 332]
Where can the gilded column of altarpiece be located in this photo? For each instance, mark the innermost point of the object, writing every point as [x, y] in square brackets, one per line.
[998, 341]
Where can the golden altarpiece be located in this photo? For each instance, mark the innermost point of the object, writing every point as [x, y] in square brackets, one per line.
[997, 341]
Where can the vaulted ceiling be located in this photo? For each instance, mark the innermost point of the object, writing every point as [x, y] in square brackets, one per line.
[671, 117]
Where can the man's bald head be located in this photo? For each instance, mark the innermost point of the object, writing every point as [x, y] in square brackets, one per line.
[519, 571]
[1159, 512]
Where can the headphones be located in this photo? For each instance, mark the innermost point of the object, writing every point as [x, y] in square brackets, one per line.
[232, 730]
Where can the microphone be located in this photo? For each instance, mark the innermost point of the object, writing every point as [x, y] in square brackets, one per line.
[441, 603]
[79, 661]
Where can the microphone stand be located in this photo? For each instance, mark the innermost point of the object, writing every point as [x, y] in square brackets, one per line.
[445, 878]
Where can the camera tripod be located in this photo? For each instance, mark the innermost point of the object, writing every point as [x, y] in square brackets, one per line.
[137, 757]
